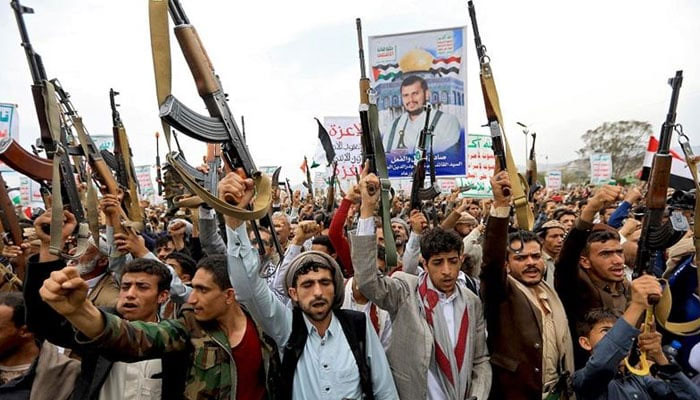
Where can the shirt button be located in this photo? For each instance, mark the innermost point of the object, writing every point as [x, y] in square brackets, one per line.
[537, 370]
[325, 366]
[328, 388]
[537, 345]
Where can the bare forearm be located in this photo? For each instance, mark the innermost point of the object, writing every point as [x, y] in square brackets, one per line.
[88, 320]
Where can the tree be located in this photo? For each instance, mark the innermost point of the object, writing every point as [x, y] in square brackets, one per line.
[624, 140]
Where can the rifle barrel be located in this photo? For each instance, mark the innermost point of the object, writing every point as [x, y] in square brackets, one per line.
[480, 48]
[363, 73]
[667, 127]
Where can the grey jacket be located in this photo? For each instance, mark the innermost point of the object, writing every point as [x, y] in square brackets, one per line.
[412, 341]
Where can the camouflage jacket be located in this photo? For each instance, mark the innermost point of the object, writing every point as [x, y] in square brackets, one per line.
[211, 373]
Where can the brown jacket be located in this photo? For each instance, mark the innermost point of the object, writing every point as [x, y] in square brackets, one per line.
[514, 324]
[105, 293]
[580, 291]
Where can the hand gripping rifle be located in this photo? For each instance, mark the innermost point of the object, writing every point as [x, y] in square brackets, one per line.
[418, 192]
[330, 198]
[125, 171]
[219, 127]
[10, 224]
[657, 235]
[501, 149]
[373, 151]
[309, 182]
[53, 137]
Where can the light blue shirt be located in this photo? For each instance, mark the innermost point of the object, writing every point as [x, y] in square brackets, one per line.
[326, 368]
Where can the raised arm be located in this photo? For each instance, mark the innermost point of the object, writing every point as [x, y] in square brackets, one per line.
[493, 267]
[336, 233]
[411, 253]
[251, 290]
[211, 240]
[386, 292]
[567, 268]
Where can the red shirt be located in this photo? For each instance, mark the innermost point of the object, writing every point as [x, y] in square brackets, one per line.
[250, 384]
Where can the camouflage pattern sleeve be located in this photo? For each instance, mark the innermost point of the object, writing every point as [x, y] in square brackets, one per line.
[130, 341]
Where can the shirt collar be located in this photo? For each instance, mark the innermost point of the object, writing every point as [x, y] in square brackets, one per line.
[614, 288]
[332, 328]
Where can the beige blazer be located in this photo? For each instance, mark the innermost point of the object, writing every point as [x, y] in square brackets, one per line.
[412, 340]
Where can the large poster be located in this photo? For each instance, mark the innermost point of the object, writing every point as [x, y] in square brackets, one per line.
[410, 70]
[481, 164]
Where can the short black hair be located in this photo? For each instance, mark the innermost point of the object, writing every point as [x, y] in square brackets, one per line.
[562, 212]
[324, 240]
[217, 265]
[592, 317]
[151, 267]
[438, 240]
[600, 236]
[15, 301]
[411, 79]
[523, 237]
[163, 240]
[308, 267]
[187, 263]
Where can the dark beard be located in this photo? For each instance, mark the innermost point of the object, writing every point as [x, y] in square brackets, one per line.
[416, 112]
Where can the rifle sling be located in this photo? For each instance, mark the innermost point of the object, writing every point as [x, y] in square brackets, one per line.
[160, 49]
[523, 213]
[53, 115]
[663, 308]
[385, 193]
[261, 204]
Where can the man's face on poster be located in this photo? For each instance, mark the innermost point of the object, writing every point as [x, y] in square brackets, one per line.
[413, 97]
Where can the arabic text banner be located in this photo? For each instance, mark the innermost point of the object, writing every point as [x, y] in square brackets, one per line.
[345, 133]
[408, 71]
[480, 166]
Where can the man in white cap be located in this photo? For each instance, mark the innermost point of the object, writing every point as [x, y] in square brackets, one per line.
[327, 352]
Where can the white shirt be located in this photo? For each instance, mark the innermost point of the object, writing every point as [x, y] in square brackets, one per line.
[93, 282]
[365, 226]
[445, 135]
[133, 381]
[349, 303]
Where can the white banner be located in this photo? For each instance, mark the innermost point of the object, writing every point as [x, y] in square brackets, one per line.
[345, 133]
[601, 168]
[143, 177]
[553, 180]
[480, 166]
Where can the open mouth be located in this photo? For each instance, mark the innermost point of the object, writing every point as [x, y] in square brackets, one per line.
[318, 304]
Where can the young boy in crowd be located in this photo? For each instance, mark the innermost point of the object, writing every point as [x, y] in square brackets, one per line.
[609, 340]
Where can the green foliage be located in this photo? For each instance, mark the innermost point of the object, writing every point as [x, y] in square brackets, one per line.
[625, 141]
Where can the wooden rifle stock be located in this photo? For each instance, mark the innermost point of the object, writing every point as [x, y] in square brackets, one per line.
[16, 157]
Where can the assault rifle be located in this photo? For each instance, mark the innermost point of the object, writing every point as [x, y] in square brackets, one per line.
[418, 192]
[501, 150]
[308, 183]
[366, 140]
[330, 199]
[53, 137]
[657, 235]
[125, 171]
[531, 169]
[373, 153]
[10, 224]
[219, 127]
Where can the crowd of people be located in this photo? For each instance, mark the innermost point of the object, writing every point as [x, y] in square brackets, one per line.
[201, 306]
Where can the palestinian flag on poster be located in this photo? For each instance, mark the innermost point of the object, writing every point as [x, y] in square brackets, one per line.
[386, 72]
[446, 66]
[681, 177]
[441, 67]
